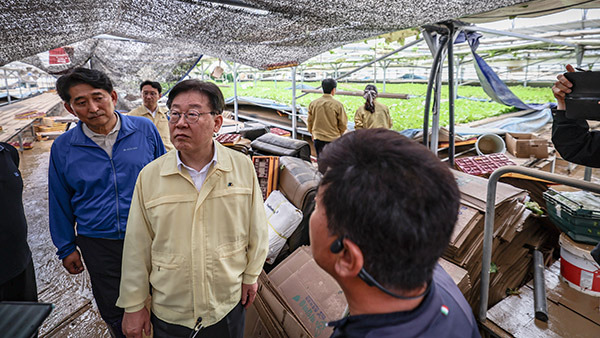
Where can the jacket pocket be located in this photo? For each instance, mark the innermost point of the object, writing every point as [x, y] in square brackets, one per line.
[170, 280]
[230, 263]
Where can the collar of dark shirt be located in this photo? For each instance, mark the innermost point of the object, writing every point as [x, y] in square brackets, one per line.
[367, 322]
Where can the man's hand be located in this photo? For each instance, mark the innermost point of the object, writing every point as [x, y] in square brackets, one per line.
[136, 322]
[248, 294]
[561, 88]
[73, 263]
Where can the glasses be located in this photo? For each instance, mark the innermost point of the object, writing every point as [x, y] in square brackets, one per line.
[191, 116]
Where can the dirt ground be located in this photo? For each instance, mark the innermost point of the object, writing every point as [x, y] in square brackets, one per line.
[75, 314]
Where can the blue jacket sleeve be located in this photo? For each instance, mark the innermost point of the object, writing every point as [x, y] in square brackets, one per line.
[62, 219]
[160, 147]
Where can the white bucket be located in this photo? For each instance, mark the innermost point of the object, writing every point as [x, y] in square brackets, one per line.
[577, 267]
[490, 144]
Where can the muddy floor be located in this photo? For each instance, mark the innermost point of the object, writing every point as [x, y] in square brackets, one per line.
[75, 314]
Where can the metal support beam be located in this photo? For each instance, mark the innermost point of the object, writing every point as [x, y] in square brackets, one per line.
[516, 35]
[7, 90]
[451, 93]
[490, 213]
[579, 51]
[20, 89]
[235, 95]
[410, 44]
[294, 118]
[438, 47]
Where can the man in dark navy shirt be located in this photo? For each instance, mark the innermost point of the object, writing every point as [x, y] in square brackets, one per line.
[385, 210]
[17, 276]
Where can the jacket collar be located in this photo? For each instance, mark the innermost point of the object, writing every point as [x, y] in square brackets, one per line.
[224, 162]
[127, 128]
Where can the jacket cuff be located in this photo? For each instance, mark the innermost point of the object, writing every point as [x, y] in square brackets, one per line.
[249, 279]
[134, 308]
[69, 249]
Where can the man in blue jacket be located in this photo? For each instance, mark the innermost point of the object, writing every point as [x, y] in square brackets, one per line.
[92, 173]
[385, 210]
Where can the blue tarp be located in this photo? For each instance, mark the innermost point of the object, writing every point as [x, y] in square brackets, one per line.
[490, 81]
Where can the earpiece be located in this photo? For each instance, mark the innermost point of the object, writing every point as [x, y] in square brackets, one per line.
[337, 245]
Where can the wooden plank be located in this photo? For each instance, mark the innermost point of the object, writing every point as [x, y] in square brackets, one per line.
[558, 291]
[11, 126]
[515, 315]
[348, 93]
[65, 305]
[83, 324]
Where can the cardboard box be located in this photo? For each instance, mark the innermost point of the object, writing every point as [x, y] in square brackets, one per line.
[269, 316]
[526, 145]
[313, 295]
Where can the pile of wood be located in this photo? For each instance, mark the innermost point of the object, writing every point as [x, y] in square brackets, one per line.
[516, 231]
[31, 114]
[49, 128]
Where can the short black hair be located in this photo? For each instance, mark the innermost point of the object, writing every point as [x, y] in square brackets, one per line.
[153, 84]
[215, 96]
[392, 197]
[328, 85]
[92, 77]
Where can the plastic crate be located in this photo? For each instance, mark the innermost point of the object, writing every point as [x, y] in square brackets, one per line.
[577, 213]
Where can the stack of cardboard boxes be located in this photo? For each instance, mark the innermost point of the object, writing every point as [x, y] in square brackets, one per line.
[516, 230]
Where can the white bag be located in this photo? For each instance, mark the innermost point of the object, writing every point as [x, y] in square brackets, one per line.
[283, 218]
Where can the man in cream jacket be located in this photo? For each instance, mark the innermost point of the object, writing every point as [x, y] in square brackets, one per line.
[197, 233]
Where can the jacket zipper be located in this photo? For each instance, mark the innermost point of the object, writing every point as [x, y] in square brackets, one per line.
[116, 195]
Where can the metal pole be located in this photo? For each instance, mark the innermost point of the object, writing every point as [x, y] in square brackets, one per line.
[384, 71]
[437, 102]
[526, 70]
[489, 219]
[432, 75]
[6, 83]
[20, 89]
[517, 35]
[587, 174]
[410, 44]
[539, 287]
[450, 95]
[375, 65]
[294, 121]
[235, 96]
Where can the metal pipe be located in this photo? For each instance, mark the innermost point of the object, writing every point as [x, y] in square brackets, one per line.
[539, 287]
[410, 44]
[6, 83]
[587, 174]
[432, 74]
[450, 95]
[516, 35]
[20, 83]
[294, 122]
[437, 105]
[235, 96]
[489, 219]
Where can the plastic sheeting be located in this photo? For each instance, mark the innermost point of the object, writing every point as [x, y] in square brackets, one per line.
[490, 81]
[266, 103]
[524, 124]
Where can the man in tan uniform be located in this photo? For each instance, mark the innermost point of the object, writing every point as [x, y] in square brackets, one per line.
[150, 94]
[326, 117]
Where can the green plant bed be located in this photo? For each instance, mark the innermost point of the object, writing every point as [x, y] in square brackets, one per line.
[405, 113]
